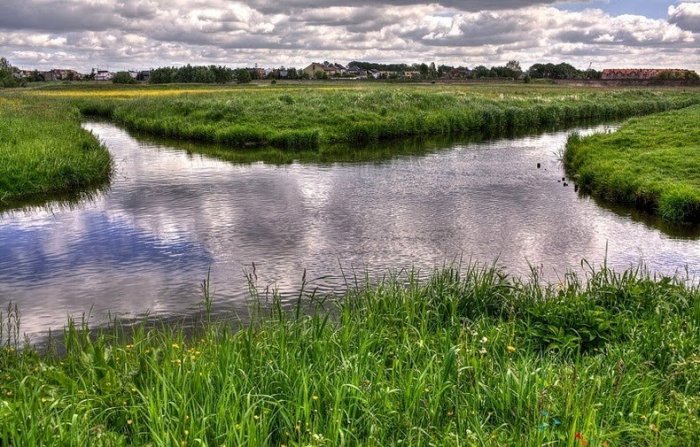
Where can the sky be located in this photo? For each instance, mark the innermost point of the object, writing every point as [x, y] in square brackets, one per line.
[141, 34]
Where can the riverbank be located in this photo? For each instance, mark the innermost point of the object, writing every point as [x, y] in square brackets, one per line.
[479, 358]
[303, 118]
[652, 163]
[44, 152]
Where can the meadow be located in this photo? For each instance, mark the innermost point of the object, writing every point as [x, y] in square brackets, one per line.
[45, 153]
[651, 162]
[470, 358]
[299, 117]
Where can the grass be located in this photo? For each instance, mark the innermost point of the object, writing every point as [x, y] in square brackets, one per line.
[477, 358]
[651, 162]
[299, 117]
[44, 152]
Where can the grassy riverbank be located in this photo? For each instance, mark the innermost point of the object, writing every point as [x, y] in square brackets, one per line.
[476, 359]
[44, 152]
[651, 162]
[302, 117]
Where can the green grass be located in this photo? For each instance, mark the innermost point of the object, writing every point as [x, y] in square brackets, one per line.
[303, 118]
[44, 152]
[651, 162]
[473, 359]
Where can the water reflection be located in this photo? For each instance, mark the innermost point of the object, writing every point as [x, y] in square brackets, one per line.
[145, 245]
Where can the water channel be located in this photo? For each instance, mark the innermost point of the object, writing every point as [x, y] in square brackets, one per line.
[144, 246]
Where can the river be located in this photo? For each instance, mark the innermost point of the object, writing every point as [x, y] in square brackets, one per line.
[144, 246]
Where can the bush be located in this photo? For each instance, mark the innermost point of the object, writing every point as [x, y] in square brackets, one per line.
[123, 77]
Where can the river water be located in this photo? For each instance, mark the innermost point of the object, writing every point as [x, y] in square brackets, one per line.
[144, 246]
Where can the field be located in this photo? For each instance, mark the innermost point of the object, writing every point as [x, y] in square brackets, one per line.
[651, 162]
[303, 118]
[44, 152]
[473, 359]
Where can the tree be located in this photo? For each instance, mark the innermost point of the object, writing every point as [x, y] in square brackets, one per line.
[513, 67]
[7, 77]
[123, 77]
[242, 76]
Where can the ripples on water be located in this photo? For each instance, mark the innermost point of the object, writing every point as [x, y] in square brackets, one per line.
[145, 245]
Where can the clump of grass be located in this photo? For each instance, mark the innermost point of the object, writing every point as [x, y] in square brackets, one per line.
[464, 357]
[652, 162]
[44, 151]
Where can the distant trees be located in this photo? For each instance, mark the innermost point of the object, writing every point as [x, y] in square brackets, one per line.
[192, 74]
[123, 77]
[561, 71]
[7, 77]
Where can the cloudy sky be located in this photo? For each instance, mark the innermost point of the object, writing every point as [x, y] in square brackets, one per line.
[137, 34]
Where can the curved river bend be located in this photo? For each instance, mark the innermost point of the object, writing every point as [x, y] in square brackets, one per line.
[144, 246]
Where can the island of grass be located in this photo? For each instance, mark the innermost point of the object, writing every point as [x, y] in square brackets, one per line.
[45, 153]
[300, 117]
[651, 162]
[477, 358]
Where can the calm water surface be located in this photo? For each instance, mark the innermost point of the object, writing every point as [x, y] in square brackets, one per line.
[144, 246]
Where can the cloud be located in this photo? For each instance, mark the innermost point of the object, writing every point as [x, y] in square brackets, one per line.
[120, 34]
[686, 16]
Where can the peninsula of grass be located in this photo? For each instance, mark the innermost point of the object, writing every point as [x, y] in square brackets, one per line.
[477, 358]
[651, 162]
[44, 152]
[309, 118]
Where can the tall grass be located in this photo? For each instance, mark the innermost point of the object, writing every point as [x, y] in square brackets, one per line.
[308, 118]
[651, 162]
[43, 151]
[470, 357]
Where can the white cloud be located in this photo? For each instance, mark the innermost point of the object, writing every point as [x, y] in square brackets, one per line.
[121, 34]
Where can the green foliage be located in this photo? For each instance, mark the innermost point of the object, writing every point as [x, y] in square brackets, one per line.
[192, 74]
[123, 77]
[309, 118]
[43, 151]
[463, 357]
[652, 162]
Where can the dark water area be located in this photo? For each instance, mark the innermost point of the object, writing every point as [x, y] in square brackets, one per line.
[144, 246]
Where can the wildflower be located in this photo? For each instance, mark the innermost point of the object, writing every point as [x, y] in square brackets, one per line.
[653, 428]
[484, 340]
[175, 346]
[482, 351]
[582, 441]
[129, 422]
[511, 349]
[314, 397]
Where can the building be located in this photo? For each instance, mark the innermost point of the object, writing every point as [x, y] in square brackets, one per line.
[329, 69]
[103, 75]
[646, 74]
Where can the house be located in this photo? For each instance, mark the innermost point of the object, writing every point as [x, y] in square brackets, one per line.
[103, 75]
[411, 74]
[327, 68]
[143, 75]
[374, 73]
[58, 74]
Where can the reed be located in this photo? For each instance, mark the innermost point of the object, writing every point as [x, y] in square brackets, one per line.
[467, 356]
[651, 162]
[305, 118]
[44, 152]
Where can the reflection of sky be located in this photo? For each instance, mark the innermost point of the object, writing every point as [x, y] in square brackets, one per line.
[42, 252]
[145, 245]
